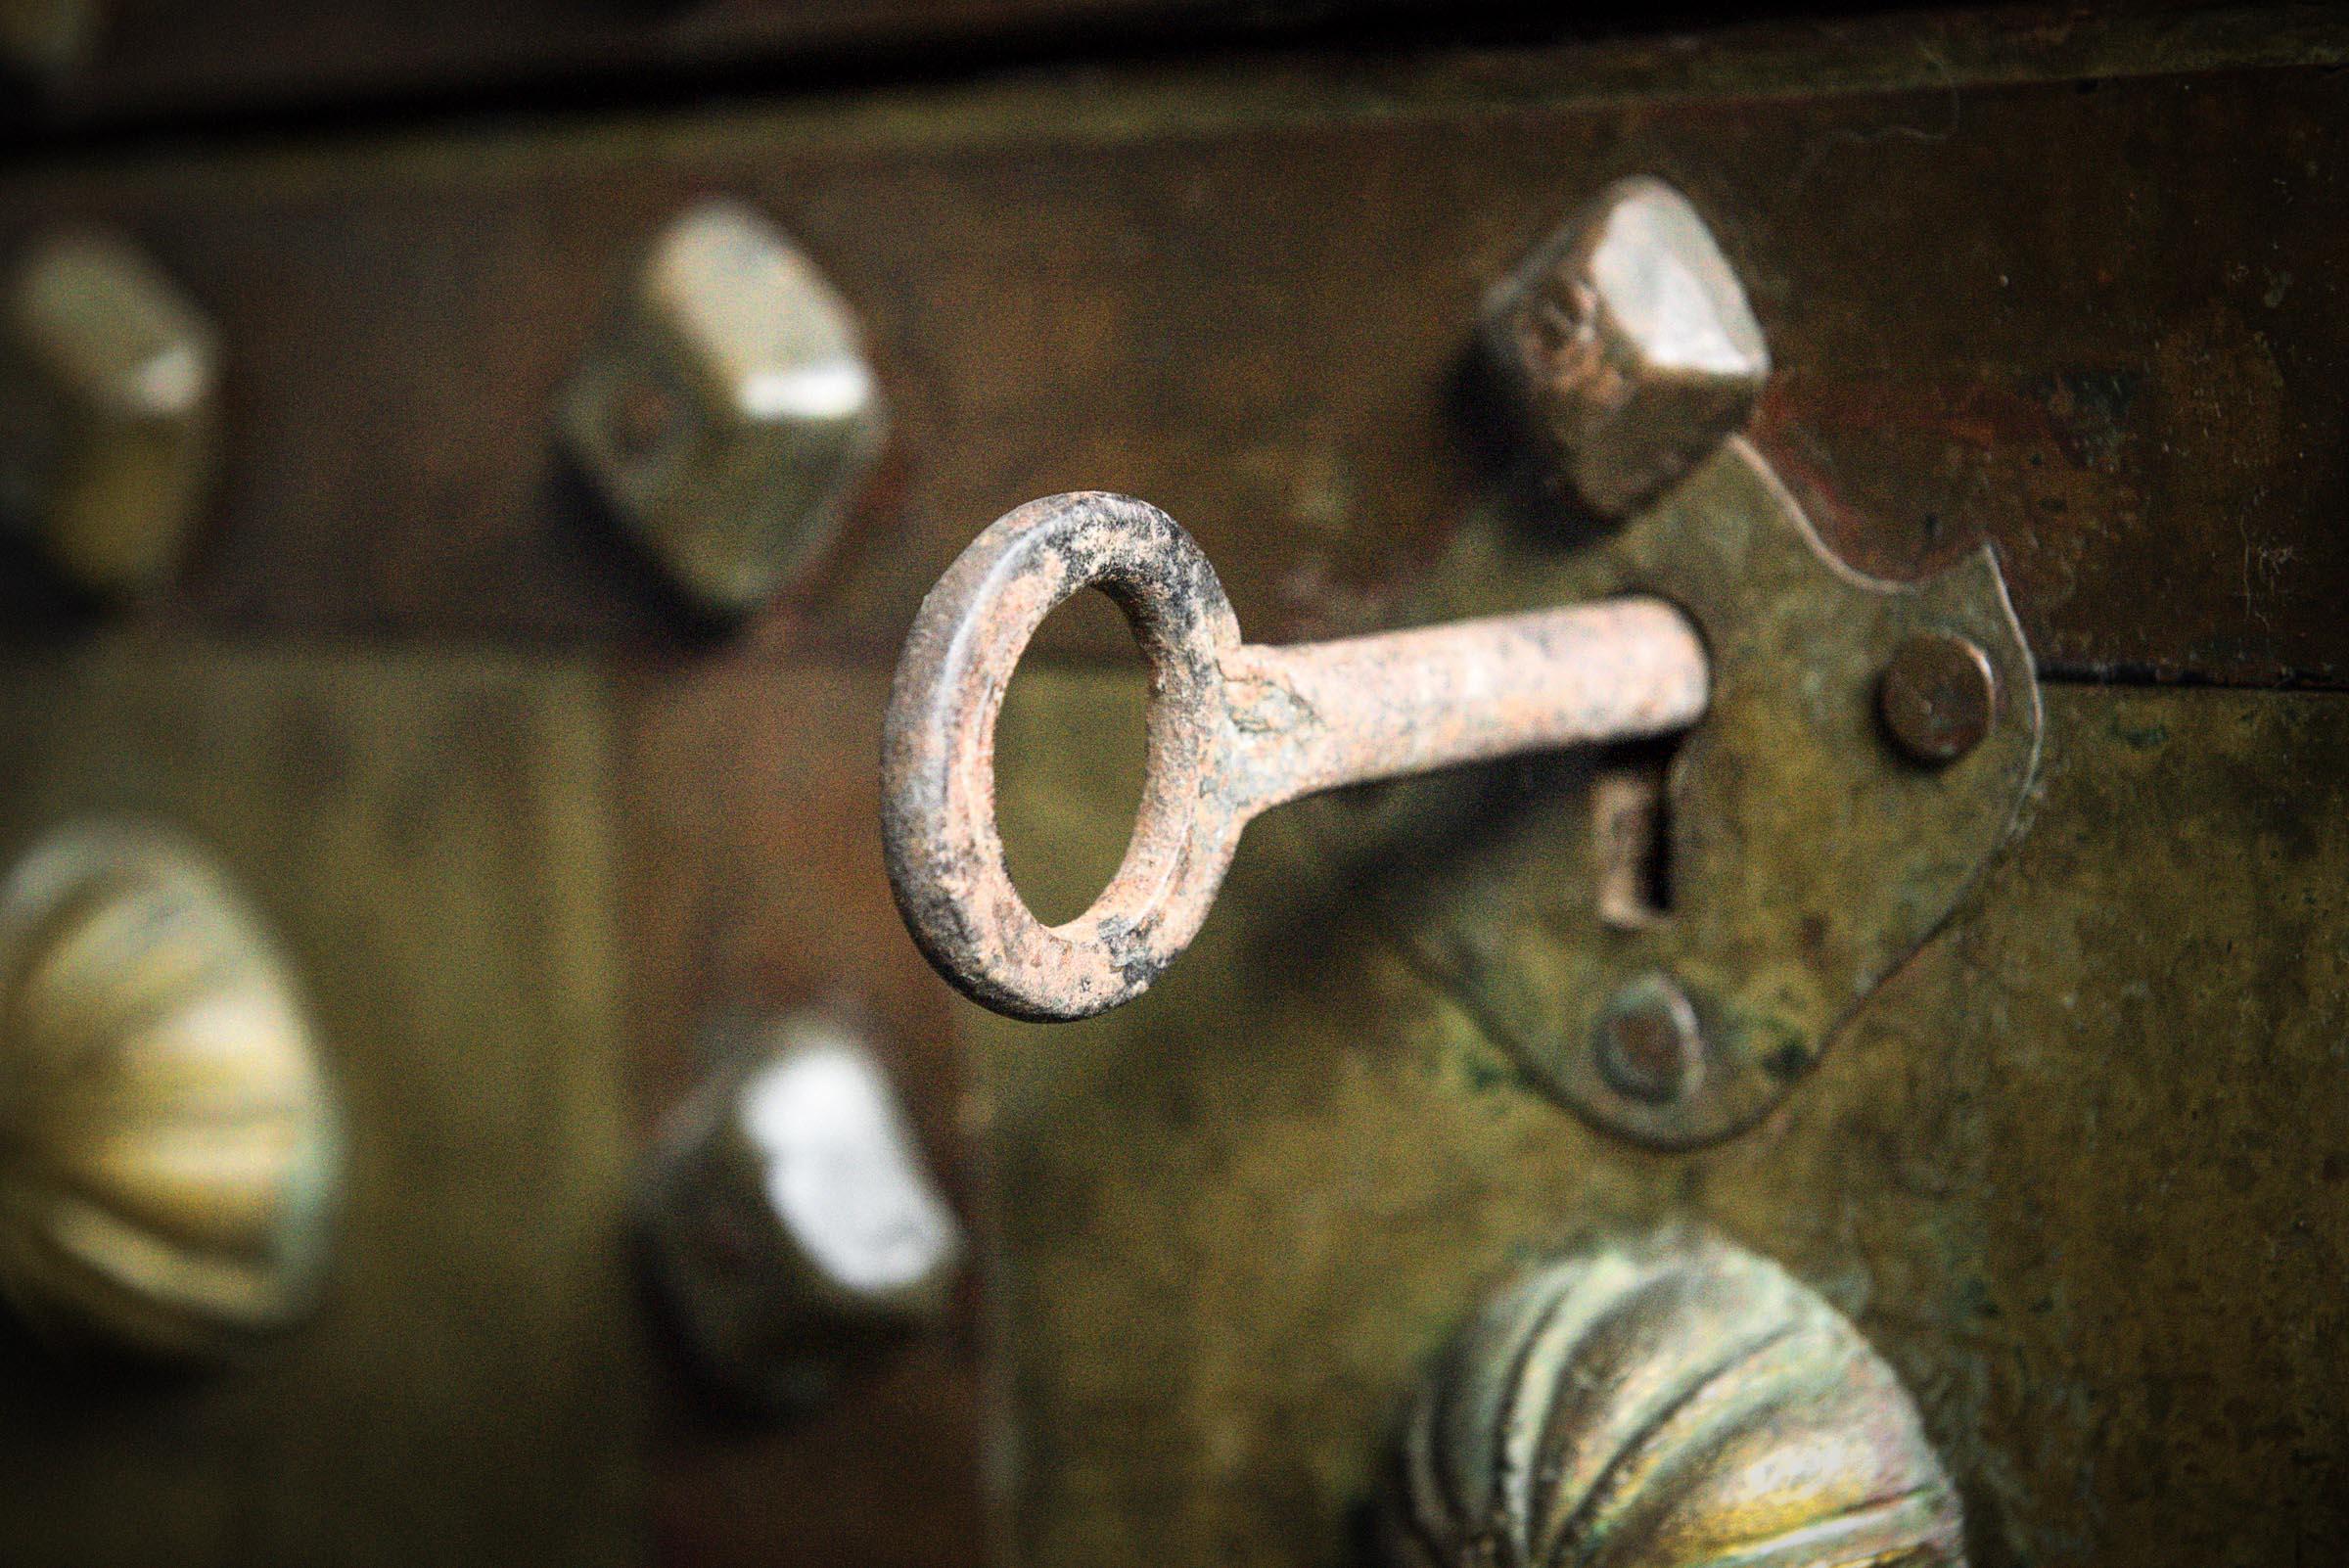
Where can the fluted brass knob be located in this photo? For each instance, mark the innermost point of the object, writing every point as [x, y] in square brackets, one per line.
[790, 1222]
[1667, 1406]
[169, 1151]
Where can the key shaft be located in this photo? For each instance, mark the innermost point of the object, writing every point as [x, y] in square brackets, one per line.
[1233, 730]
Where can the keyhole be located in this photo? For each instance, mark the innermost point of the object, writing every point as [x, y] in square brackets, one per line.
[1632, 826]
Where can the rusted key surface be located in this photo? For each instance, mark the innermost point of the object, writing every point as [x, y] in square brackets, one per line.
[1233, 728]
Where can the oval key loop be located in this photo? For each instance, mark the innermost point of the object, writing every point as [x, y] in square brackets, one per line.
[1233, 730]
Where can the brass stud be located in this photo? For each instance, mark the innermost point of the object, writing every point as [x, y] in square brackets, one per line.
[1629, 343]
[169, 1148]
[1649, 1047]
[726, 412]
[790, 1222]
[109, 411]
[1938, 697]
[1672, 1404]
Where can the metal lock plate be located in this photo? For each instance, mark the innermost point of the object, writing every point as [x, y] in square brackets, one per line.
[1806, 852]
[1238, 1217]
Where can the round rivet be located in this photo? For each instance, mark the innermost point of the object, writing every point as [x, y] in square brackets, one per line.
[1649, 1048]
[1937, 695]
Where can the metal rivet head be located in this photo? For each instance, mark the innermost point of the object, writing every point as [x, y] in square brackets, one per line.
[1649, 1047]
[790, 1222]
[726, 412]
[109, 418]
[1937, 695]
[1628, 340]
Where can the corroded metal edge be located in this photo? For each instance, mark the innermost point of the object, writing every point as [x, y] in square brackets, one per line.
[937, 796]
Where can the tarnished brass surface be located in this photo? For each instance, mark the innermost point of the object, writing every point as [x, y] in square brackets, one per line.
[171, 1152]
[2075, 1170]
[427, 834]
[1665, 1401]
[2070, 1169]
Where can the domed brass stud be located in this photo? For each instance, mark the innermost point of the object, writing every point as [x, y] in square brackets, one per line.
[169, 1150]
[1670, 1405]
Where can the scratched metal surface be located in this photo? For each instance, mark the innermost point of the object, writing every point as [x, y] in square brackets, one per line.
[2077, 1170]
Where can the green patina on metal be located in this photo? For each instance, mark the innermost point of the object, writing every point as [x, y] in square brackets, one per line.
[2075, 1170]
[1807, 855]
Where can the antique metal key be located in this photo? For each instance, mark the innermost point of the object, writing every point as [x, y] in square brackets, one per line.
[1233, 730]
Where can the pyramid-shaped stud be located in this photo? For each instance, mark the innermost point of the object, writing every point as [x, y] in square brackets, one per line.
[788, 1218]
[110, 382]
[728, 412]
[1630, 345]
